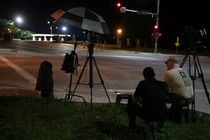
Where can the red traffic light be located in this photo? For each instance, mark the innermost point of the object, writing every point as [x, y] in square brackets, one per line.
[118, 4]
[155, 27]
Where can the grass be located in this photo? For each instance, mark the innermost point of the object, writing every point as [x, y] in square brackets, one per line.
[24, 118]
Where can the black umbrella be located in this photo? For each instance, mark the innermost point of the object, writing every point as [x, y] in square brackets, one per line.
[83, 18]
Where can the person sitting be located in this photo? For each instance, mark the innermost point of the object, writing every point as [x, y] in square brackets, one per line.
[149, 100]
[180, 88]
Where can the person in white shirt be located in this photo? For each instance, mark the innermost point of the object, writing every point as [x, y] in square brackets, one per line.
[180, 88]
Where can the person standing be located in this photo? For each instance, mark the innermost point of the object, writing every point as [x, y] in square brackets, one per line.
[180, 88]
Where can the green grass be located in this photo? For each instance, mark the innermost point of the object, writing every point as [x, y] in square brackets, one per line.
[24, 118]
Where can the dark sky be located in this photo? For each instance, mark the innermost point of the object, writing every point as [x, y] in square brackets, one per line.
[174, 14]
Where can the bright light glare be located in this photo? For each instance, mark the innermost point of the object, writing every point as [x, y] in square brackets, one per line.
[119, 31]
[19, 20]
[64, 28]
[118, 4]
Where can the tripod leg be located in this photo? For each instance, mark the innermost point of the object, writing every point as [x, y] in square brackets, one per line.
[79, 81]
[200, 74]
[70, 84]
[206, 91]
[69, 93]
[193, 103]
[102, 82]
[193, 110]
[184, 59]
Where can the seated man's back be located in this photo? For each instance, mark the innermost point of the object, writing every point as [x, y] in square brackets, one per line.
[149, 100]
[153, 94]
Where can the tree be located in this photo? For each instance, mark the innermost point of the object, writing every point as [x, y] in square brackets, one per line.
[8, 30]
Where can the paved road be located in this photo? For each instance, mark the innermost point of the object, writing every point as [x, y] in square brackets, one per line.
[120, 71]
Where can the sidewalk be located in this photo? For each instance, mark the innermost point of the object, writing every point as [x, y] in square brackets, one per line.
[5, 91]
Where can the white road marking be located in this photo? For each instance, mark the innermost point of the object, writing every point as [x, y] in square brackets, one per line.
[122, 90]
[20, 71]
[133, 90]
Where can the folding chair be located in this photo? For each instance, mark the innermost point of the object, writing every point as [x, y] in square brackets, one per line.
[153, 124]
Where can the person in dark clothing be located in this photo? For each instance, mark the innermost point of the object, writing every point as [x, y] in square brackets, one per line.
[149, 100]
[45, 80]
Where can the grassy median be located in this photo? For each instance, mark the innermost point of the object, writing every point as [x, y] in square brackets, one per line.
[27, 118]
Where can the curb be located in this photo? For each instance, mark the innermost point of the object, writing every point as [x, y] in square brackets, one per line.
[19, 92]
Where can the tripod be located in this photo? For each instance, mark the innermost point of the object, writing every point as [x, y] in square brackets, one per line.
[91, 61]
[192, 54]
[70, 64]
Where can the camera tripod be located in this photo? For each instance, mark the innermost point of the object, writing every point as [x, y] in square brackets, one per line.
[195, 72]
[92, 61]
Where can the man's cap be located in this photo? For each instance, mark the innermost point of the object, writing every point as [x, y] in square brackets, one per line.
[148, 71]
[172, 59]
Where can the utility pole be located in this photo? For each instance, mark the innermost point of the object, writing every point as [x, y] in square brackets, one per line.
[157, 24]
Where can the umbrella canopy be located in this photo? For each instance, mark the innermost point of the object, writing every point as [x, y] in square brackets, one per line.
[83, 18]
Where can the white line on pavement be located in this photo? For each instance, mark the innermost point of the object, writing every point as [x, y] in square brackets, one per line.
[20, 71]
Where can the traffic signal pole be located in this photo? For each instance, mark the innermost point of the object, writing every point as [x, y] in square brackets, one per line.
[141, 12]
[157, 24]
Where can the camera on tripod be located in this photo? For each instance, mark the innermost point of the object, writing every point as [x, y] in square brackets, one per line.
[194, 37]
[91, 40]
[90, 48]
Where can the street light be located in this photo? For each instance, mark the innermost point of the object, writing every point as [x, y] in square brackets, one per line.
[119, 38]
[48, 22]
[19, 21]
[64, 30]
[119, 31]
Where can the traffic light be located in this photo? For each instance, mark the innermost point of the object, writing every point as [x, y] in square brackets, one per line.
[155, 27]
[118, 4]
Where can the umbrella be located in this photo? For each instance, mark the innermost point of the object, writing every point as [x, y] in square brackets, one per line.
[83, 18]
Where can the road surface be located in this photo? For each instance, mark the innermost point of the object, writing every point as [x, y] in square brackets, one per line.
[120, 70]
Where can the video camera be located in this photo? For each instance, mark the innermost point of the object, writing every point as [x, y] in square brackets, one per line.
[91, 40]
[193, 37]
[194, 34]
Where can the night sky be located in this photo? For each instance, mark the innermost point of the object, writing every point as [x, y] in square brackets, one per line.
[174, 15]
